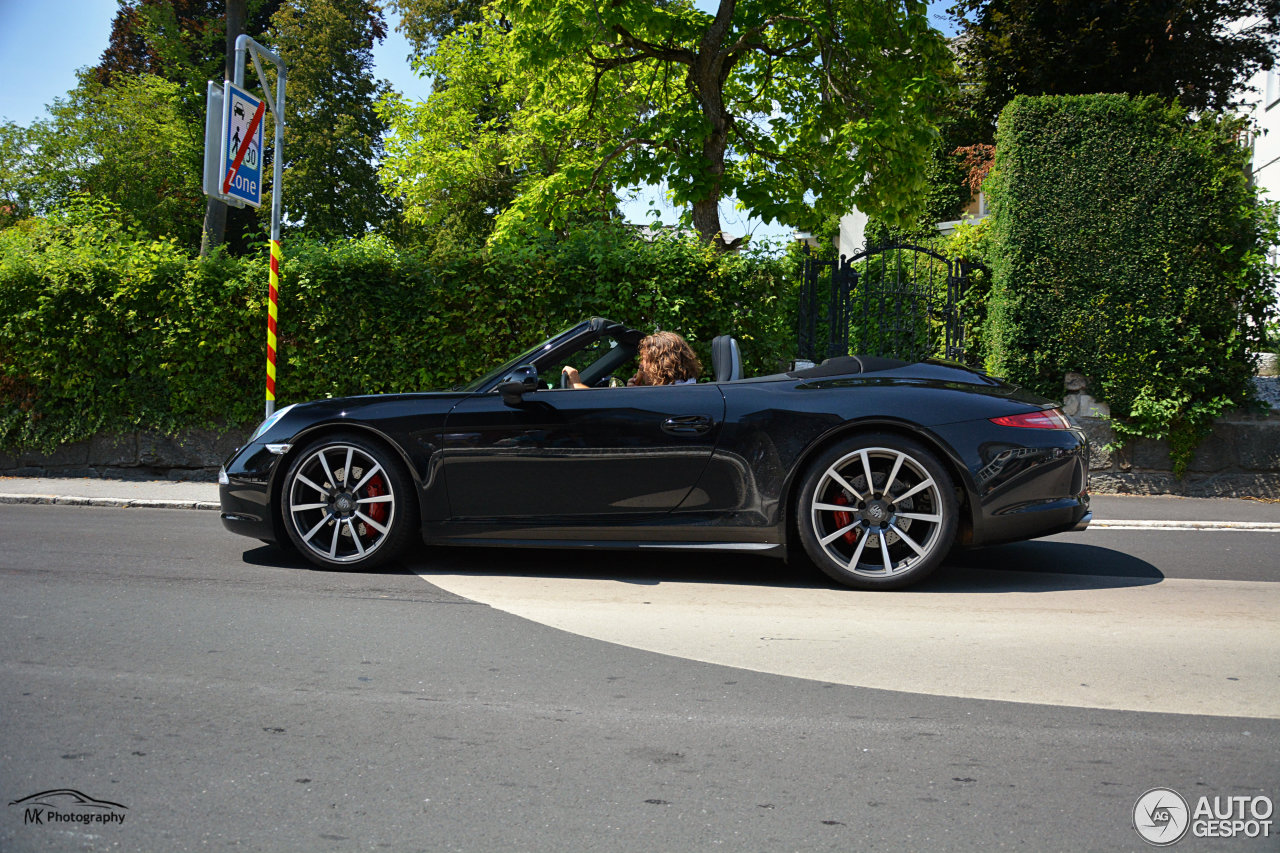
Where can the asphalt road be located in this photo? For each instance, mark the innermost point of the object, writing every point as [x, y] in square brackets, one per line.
[224, 695]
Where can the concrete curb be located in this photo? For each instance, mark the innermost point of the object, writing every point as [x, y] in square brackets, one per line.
[123, 503]
[1136, 524]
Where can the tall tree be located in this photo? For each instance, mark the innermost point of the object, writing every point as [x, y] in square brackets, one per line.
[334, 135]
[461, 159]
[187, 42]
[19, 186]
[454, 184]
[216, 211]
[129, 143]
[1202, 52]
[426, 23]
[798, 108]
[180, 40]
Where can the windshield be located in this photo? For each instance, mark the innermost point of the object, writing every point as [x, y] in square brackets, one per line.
[527, 357]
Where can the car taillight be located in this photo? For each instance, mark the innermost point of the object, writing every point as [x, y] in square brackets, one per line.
[1043, 419]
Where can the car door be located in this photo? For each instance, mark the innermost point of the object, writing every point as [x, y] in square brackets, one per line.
[586, 456]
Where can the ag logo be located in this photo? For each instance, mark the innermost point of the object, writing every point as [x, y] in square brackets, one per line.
[1161, 816]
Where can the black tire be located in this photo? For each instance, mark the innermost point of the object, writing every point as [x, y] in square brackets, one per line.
[891, 535]
[348, 504]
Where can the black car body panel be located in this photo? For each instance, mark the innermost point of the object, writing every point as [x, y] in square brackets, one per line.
[709, 465]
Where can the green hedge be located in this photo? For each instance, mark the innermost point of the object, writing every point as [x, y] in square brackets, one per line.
[102, 332]
[1127, 244]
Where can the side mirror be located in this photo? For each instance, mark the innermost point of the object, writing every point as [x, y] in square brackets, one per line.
[523, 380]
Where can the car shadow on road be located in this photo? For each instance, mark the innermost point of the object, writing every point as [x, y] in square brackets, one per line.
[648, 568]
[1041, 565]
[277, 557]
[1038, 566]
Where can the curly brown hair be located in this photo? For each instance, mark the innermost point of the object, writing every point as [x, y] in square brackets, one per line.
[666, 358]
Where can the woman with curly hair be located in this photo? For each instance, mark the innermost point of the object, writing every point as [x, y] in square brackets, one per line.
[665, 359]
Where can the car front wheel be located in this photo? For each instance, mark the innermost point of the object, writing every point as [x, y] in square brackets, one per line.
[877, 512]
[347, 503]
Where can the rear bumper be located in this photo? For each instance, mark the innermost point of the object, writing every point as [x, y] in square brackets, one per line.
[1033, 520]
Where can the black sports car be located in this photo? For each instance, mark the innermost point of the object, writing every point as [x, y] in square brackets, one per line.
[872, 467]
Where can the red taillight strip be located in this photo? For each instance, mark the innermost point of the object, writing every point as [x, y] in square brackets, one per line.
[1043, 419]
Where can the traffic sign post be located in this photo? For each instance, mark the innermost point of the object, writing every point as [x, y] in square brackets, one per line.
[214, 169]
[233, 163]
[242, 145]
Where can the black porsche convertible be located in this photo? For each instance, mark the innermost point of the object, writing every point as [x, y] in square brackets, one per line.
[873, 468]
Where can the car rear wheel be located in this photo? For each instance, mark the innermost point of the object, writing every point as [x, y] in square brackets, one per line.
[877, 512]
[347, 503]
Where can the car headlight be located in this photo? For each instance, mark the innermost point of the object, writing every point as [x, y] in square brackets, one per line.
[271, 421]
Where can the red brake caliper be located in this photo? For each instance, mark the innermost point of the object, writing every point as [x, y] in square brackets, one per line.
[845, 518]
[376, 488]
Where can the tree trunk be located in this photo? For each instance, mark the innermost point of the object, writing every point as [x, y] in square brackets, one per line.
[706, 210]
[215, 212]
[706, 219]
[706, 77]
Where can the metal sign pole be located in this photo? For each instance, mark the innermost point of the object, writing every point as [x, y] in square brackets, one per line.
[247, 46]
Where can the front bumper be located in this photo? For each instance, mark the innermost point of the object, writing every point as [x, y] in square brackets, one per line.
[245, 493]
[245, 514]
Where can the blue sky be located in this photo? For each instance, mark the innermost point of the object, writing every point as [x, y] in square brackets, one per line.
[44, 42]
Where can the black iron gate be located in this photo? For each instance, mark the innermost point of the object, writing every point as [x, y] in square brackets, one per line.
[899, 300]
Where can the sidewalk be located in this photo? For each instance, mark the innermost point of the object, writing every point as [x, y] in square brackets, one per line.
[91, 491]
[1168, 508]
[166, 494]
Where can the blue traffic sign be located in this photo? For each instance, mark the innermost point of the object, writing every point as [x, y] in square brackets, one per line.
[242, 153]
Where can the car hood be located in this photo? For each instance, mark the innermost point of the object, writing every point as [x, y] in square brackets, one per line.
[425, 401]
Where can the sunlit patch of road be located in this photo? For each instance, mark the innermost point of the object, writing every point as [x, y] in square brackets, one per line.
[1184, 646]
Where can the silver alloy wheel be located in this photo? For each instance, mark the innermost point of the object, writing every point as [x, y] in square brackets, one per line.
[341, 503]
[877, 512]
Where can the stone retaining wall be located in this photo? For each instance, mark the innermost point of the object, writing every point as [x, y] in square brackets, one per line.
[194, 455]
[1240, 458]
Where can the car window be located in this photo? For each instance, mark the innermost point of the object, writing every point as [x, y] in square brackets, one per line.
[596, 363]
[527, 358]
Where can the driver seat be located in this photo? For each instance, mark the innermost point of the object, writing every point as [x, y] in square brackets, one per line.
[726, 359]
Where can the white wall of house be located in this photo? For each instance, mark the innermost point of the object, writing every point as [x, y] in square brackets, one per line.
[853, 226]
[853, 233]
[1266, 140]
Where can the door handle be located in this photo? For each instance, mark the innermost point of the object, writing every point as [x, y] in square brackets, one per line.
[687, 425]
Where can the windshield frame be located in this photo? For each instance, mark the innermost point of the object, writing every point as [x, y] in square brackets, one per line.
[555, 347]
